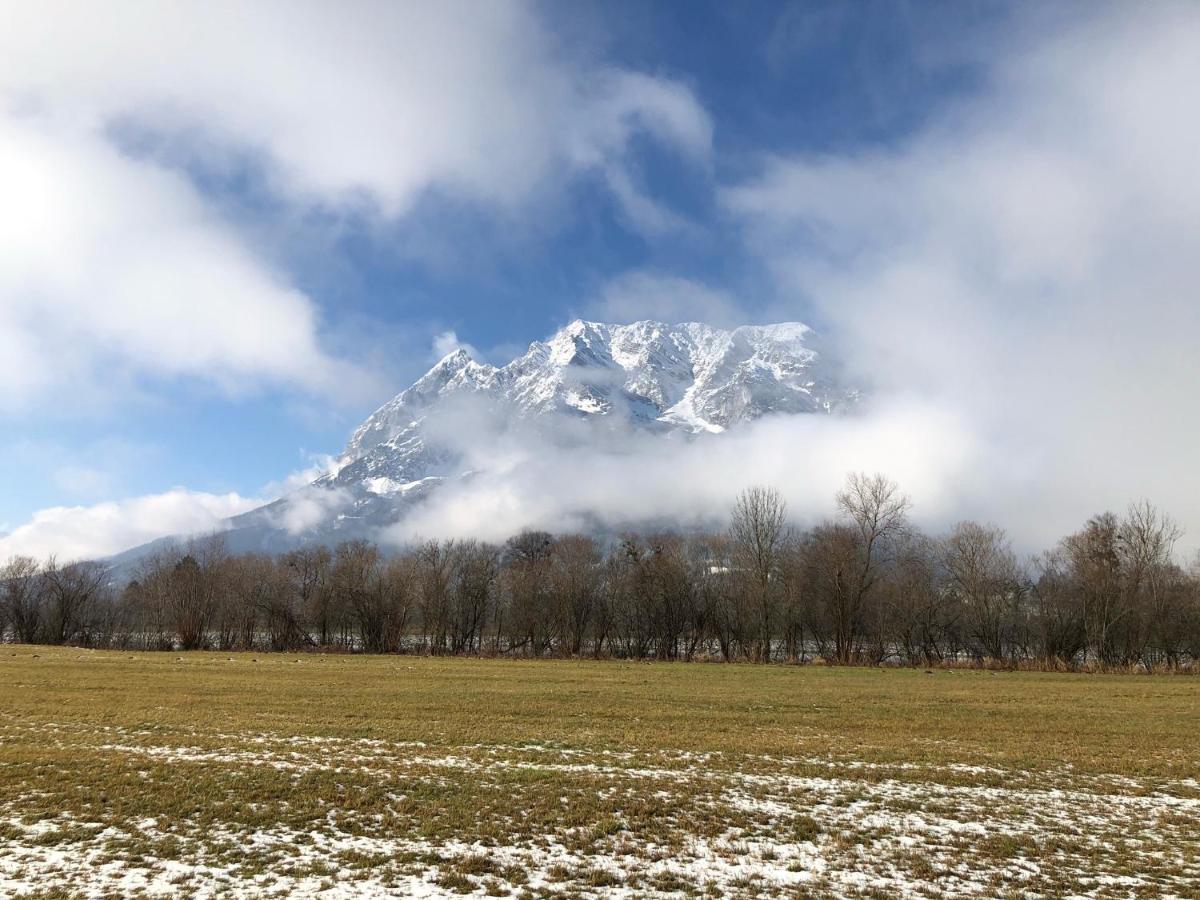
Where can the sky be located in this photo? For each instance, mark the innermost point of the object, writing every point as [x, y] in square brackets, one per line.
[229, 231]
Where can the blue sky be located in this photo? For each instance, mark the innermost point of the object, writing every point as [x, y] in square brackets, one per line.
[350, 182]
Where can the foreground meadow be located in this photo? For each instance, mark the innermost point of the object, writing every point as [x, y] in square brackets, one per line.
[208, 774]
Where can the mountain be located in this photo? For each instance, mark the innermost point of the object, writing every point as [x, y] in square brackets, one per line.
[591, 383]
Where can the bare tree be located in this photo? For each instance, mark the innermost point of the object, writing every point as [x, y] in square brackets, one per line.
[830, 565]
[919, 619]
[308, 569]
[147, 597]
[575, 565]
[436, 561]
[876, 514]
[1146, 541]
[866, 587]
[72, 593]
[261, 602]
[528, 585]
[1095, 561]
[476, 569]
[23, 590]
[1058, 610]
[394, 589]
[725, 613]
[632, 628]
[757, 534]
[668, 590]
[982, 575]
[195, 591]
[354, 569]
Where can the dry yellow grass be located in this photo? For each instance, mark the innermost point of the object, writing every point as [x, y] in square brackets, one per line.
[350, 775]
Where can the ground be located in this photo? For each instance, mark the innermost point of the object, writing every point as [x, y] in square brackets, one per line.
[207, 774]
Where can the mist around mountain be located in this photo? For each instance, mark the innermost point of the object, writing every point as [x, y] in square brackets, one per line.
[592, 388]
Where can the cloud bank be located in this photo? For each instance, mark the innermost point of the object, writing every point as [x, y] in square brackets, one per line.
[1030, 262]
[626, 479]
[1015, 285]
[91, 532]
[111, 267]
[117, 268]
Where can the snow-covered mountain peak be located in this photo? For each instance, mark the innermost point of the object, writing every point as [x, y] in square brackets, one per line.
[580, 343]
[589, 382]
[454, 360]
[646, 374]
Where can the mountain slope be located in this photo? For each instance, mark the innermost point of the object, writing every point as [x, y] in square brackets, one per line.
[647, 375]
[591, 383]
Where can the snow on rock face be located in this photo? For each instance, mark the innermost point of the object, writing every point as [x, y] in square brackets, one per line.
[590, 381]
[689, 376]
[648, 375]
[456, 372]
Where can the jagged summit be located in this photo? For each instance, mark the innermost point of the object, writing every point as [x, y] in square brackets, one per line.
[648, 375]
[689, 376]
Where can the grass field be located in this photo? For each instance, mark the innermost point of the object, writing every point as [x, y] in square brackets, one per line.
[215, 775]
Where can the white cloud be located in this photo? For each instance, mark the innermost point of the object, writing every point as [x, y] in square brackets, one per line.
[521, 480]
[90, 532]
[102, 529]
[307, 507]
[447, 342]
[1029, 263]
[114, 267]
[375, 104]
[318, 465]
[108, 263]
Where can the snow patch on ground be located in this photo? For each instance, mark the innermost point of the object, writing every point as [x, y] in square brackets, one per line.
[835, 826]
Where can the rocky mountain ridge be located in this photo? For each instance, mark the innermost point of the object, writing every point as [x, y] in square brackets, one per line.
[590, 383]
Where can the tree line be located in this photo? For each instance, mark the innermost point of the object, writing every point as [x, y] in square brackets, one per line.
[867, 587]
